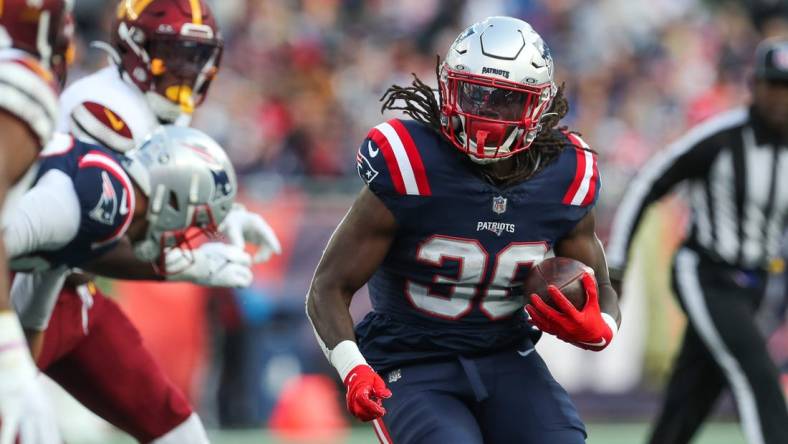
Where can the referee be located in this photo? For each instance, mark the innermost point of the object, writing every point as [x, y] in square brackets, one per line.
[736, 169]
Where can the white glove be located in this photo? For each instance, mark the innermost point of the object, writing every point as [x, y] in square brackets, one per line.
[24, 409]
[242, 226]
[213, 264]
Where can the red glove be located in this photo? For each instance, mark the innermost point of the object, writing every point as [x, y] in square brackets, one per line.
[365, 393]
[586, 328]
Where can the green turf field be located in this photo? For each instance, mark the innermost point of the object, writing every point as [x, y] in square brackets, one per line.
[599, 433]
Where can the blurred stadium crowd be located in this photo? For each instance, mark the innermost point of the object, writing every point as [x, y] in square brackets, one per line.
[300, 81]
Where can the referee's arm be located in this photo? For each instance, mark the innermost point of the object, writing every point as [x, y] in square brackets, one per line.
[686, 158]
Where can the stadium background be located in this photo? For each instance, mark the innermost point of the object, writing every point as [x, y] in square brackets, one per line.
[297, 91]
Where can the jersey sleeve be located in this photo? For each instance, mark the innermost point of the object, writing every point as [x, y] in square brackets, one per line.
[28, 92]
[389, 162]
[106, 199]
[582, 183]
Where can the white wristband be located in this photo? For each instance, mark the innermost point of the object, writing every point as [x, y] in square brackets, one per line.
[610, 323]
[345, 357]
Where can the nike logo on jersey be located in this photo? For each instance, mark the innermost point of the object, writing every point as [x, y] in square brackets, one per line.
[124, 209]
[116, 122]
[601, 343]
[372, 152]
[525, 353]
[395, 375]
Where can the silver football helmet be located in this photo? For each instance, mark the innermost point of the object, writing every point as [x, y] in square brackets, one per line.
[495, 84]
[190, 184]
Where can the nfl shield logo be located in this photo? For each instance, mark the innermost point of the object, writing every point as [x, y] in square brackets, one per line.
[499, 205]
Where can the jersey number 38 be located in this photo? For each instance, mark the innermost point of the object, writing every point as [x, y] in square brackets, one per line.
[495, 299]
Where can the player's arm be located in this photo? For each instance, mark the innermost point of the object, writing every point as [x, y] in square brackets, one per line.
[594, 326]
[18, 149]
[688, 157]
[121, 263]
[213, 264]
[583, 245]
[354, 252]
[30, 227]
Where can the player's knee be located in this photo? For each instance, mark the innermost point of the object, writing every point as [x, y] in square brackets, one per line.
[190, 431]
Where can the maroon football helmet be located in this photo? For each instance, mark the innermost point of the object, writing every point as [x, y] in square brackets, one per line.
[41, 28]
[169, 49]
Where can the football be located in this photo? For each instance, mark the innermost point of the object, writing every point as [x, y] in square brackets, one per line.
[564, 273]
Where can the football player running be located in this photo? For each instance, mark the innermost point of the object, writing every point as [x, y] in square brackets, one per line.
[35, 42]
[458, 203]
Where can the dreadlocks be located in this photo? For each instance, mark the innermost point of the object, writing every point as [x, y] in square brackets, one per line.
[421, 105]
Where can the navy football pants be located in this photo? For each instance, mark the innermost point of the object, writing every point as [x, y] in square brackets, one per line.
[496, 399]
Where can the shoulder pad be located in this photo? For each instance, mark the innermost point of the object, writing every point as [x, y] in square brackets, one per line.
[106, 198]
[96, 122]
[104, 109]
[389, 160]
[585, 182]
[27, 91]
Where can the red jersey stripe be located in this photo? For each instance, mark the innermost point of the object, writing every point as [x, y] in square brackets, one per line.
[579, 173]
[592, 185]
[419, 172]
[383, 144]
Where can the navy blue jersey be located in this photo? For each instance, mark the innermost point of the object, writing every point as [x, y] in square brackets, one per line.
[451, 283]
[106, 200]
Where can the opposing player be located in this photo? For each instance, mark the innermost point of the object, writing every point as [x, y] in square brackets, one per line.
[458, 203]
[34, 46]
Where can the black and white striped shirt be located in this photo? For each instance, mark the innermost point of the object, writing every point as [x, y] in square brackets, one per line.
[737, 173]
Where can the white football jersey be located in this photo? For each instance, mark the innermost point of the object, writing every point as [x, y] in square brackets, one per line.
[28, 92]
[104, 109]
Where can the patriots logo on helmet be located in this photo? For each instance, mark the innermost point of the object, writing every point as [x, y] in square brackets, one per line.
[107, 207]
[222, 185]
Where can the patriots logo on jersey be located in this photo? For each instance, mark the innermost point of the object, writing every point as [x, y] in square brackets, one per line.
[495, 227]
[107, 207]
[365, 169]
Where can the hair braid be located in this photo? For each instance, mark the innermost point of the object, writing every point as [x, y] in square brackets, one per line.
[419, 98]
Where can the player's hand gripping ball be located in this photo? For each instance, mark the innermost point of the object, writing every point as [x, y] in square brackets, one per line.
[565, 303]
[365, 393]
[562, 272]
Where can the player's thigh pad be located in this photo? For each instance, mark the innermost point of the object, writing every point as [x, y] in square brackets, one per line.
[525, 404]
[427, 407]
